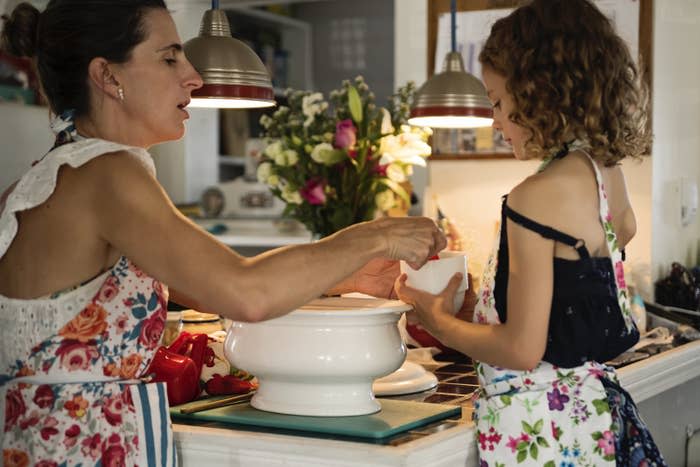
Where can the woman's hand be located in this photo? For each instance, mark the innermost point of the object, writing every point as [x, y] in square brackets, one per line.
[412, 239]
[433, 311]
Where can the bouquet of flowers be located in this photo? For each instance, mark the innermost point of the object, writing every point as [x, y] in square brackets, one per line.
[339, 164]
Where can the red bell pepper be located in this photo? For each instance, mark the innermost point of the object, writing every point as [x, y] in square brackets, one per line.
[179, 366]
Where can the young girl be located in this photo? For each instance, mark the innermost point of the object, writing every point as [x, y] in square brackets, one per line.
[89, 240]
[553, 305]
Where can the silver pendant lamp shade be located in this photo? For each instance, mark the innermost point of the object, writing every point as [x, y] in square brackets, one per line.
[233, 75]
[452, 98]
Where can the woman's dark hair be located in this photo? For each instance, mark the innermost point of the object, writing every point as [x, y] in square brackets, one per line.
[64, 38]
[570, 74]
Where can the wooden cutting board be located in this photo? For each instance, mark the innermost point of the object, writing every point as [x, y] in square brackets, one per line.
[396, 416]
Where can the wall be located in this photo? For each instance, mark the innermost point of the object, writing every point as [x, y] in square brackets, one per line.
[676, 147]
[25, 136]
[469, 191]
[187, 167]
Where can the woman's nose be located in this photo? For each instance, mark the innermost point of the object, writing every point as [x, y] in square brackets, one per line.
[496, 125]
[192, 78]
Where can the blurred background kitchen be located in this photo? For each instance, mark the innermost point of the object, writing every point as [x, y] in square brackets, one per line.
[314, 45]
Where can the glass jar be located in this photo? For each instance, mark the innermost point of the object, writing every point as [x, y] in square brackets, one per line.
[195, 322]
[173, 326]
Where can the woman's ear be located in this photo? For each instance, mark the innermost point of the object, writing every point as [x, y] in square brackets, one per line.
[101, 77]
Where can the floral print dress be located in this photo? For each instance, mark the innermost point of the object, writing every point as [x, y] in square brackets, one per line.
[70, 362]
[558, 416]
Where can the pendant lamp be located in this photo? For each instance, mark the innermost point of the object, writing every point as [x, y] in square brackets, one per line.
[452, 98]
[234, 76]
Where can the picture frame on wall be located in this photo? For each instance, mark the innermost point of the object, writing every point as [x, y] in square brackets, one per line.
[474, 19]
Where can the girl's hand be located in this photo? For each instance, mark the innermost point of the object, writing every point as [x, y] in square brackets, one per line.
[433, 311]
[375, 278]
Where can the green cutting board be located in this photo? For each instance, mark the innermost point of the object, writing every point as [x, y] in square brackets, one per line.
[395, 417]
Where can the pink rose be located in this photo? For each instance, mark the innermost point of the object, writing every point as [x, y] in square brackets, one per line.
[380, 169]
[31, 420]
[14, 407]
[313, 191]
[46, 463]
[92, 446]
[345, 134]
[112, 408]
[74, 355]
[71, 436]
[162, 293]
[44, 397]
[49, 428]
[109, 289]
[152, 330]
[620, 275]
[607, 443]
[122, 322]
[113, 453]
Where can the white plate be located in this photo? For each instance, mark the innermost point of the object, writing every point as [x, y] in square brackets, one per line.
[408, 379]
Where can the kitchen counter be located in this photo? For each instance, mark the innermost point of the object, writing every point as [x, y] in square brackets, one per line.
[263, 233]
[447, 443]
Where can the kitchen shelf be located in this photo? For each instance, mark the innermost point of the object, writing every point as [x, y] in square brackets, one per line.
[238, 161]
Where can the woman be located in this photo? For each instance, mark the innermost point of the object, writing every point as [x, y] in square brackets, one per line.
[88, 240]
[553, 305]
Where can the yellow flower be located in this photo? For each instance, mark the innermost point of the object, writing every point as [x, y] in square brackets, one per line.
[385, 200]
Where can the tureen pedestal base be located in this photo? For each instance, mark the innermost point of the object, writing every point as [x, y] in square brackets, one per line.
[318, 399]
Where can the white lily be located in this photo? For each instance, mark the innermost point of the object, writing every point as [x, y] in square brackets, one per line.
[408, 148]
[387, 127]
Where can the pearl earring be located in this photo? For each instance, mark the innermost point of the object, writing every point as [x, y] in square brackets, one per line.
[120, 91]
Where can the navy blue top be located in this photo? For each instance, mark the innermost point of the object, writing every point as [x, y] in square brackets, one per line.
[585, 321]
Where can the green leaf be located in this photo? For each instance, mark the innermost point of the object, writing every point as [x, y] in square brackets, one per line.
[527, 428]
[506, 399]
[522, 455]
[597, 435]
[139, 312]
[396, 188]
[534, 451]
[153, 301]
[550, 464]
[542, 442]
[538, 426]
[601, 406]
[355, 104]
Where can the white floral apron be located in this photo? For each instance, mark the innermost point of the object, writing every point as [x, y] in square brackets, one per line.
[70, 362]
[547, 416]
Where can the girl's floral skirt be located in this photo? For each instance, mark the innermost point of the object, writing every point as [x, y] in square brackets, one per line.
[559, 417]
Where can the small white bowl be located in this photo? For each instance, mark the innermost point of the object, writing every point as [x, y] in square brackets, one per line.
[321, 359]
[435, 274]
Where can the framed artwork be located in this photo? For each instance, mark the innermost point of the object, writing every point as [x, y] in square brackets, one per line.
[633, 20]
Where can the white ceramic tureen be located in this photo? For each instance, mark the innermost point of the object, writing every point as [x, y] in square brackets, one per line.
[321, 359]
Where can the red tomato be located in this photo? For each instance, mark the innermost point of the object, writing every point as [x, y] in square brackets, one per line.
[229, 384]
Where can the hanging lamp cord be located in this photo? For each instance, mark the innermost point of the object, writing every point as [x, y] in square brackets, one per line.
[453, 23]
[214, 4]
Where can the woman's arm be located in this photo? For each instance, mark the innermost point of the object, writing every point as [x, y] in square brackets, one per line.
[135, 216]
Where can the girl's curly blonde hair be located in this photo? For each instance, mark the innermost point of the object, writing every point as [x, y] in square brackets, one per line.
[571, 76]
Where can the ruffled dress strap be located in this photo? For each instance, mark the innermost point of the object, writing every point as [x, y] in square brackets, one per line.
[613, 248]
[37, 184]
